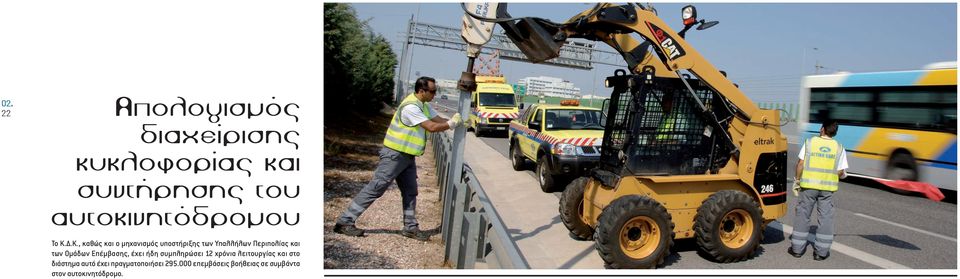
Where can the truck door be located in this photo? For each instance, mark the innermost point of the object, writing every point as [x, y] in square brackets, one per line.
[520, 134]
[529, 147]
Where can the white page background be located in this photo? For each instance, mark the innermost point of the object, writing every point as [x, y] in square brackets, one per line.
[63, 64]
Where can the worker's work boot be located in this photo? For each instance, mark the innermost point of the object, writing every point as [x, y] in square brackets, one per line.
[350, 230]
[415, 234]
[819, 258]
[795, 254]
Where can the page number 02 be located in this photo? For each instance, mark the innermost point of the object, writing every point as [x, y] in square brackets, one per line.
[5, 104]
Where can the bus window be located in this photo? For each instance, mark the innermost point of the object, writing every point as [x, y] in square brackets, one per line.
[910, 117]
[908, 97]
[851, 113]
[948, 119]
[851, 96]
[819, 96]
[949, 97]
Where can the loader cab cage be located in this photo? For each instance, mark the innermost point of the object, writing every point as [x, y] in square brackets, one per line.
[654, 127]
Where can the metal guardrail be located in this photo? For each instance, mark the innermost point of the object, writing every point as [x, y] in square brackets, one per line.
[473, 233]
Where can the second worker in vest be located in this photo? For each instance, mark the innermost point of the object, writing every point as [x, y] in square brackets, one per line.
[406, 138]
[822, 164]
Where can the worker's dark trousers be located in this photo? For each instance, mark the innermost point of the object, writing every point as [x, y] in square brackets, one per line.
[394, 165]
[823, 200]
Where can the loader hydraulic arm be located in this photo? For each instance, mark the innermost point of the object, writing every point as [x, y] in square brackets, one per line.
[614, 25]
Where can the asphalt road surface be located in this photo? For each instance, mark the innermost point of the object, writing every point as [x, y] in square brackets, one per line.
[875, 228]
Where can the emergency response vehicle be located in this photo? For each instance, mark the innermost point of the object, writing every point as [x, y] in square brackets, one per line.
[563, 140]
[493, 105]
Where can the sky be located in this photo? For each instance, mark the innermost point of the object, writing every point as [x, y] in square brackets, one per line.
[765, 48]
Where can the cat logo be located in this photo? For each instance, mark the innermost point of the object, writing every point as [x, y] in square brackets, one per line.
[667, 44]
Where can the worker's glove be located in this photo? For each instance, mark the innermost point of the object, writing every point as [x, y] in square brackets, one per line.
[455, 121]
[796, 188]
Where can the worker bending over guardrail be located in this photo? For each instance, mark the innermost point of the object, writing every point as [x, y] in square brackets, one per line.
[405, 139]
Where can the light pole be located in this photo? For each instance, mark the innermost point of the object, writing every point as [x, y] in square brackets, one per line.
[803, 61]
[594, 87]
[401, 82]
[413, 38]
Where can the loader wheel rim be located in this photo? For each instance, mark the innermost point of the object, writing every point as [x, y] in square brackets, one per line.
[639, 237]
[736, 228]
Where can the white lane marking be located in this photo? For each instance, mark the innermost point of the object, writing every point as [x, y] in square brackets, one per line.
[847, 250]
[907, 227]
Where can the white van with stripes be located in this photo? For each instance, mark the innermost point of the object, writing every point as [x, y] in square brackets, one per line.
[562, 140]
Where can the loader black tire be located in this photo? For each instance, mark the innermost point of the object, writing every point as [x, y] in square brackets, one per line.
[634, 232]
[571, 209]
[727, 226]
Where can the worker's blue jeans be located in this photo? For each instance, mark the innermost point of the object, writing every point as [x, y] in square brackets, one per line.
[823, 200]
[394, 165]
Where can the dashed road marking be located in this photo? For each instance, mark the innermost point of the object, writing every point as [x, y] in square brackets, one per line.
[906, 227]
[847, 250]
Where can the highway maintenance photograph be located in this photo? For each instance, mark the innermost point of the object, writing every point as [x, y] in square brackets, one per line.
[706, 138]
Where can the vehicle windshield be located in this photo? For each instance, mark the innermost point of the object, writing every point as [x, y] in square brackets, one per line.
[573, 119]
[497, 100]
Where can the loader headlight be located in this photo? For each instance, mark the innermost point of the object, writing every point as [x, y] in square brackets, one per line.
[564, 149]
[484, 120]
[689, 15]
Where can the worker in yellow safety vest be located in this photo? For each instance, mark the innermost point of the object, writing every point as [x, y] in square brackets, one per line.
[822, 163]
[672, 130]
[405, 139]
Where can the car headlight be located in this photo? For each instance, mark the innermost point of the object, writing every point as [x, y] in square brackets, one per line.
[484, 120]
[564, 149]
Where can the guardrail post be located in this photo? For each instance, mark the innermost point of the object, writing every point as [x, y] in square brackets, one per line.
[456, 226]
[482, 229]
[449, 190]
[471, 229]
[440, 158]
[472, 220]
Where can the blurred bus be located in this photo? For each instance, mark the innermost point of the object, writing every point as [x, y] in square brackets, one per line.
[896, 125]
